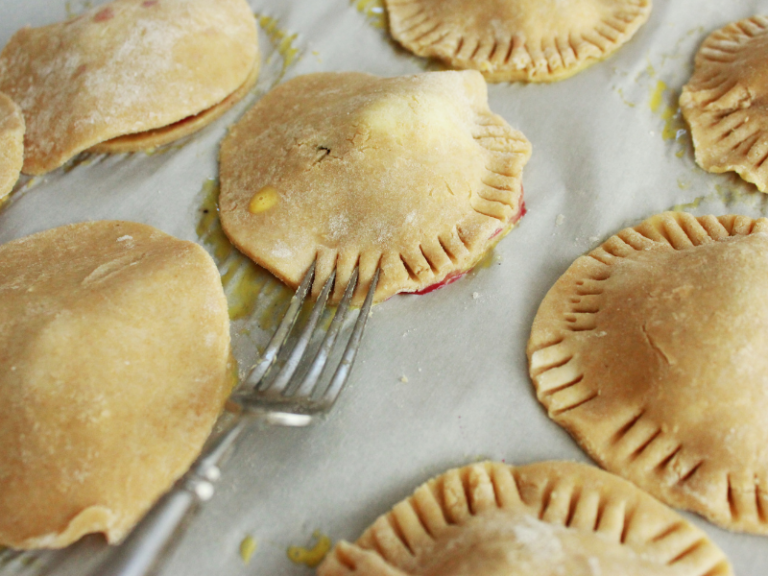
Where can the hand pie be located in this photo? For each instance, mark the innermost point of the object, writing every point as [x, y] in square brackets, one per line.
[511, 40]
[414, 174]
[152, 69]
[651, 351]
[725, 101]
[114, 353]
[543, 519]
[11, 144]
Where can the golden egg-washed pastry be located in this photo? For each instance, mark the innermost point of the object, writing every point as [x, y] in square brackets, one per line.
[127, 67]
[725, 101]
[11, 144]
[114, 348]
[414, 174]
[511, 40]
[651, 351]
[546, 519]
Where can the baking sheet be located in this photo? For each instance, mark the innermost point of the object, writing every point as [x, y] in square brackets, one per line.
[441, 379]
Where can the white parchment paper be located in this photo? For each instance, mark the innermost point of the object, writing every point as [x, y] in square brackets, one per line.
[441, 379]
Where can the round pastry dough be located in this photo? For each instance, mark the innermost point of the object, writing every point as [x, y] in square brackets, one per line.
[126, 67]
[150, 139]
[650, 351]
[414, 174]
[11, 144]
[511, 40]
[543, 519]
[725, 101]
[114, 353]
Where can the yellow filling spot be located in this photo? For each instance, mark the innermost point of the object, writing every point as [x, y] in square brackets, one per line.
[373, 10]
[674, 126]
[247, 548]
[263, 200]
[657, 95]
[311, 556]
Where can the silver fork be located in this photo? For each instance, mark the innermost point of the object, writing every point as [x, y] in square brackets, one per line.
[281, 399]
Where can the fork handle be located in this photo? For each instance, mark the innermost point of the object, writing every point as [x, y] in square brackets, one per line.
[155, 536]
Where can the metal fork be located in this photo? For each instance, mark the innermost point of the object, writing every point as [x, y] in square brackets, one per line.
[282, 399]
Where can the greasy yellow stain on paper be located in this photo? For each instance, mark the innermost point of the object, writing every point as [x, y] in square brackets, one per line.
[692, 205]
[311, 557]
[281, 40]
[373, 10]
[620, 92]
[736, 192]
[657, 95]
[243, 280]
[665, 105]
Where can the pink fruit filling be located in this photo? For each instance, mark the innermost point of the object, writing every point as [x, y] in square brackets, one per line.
[451, 278]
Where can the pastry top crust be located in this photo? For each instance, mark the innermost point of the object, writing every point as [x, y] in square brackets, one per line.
[114, 348]
[725, 101]
[141, 141]
[511, 40]
[414, 173]
[545, 519]
[650, 350]
[124, 67]
[11, 144]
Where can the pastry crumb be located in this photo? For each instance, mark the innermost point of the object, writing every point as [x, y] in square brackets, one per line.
[404, 379]
[475, 295]
[560, 219]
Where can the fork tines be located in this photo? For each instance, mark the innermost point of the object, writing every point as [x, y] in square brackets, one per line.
[288, 392]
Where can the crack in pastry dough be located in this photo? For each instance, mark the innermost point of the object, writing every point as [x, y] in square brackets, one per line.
[510, 40]
[724, 102]
[114, 348]
[492, 519]
[126, 68]
[414, 174]
[11, 145]
[663, 382]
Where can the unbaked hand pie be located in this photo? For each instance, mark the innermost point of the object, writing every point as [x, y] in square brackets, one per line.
[114, 365]
[127, 75]
[11, 144]
[725, 101]
[414, 174]
[651, 351]
[511, 40]
[547, 519]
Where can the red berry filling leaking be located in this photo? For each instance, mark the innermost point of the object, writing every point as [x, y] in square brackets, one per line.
[451, 278]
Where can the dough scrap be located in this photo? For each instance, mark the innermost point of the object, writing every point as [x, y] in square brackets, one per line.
[544, 519]
[414, 173]
[650, 351]
[114, 348]
[516, 40]
[126, 67]
[725, 101]
[11, 144]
